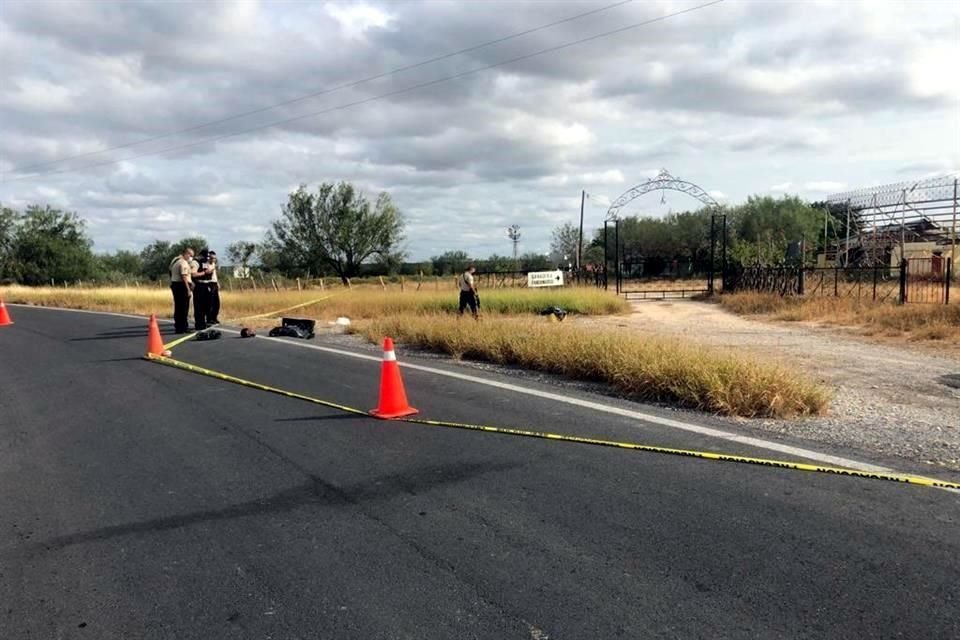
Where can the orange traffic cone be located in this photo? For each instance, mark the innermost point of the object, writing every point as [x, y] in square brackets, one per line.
[393, 399]
[154, 341]
[4, 316]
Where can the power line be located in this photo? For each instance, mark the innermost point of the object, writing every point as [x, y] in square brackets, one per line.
[322, 92]
[422, 85]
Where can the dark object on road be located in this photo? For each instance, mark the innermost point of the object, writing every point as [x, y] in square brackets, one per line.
[247, 333]
[557, 312]
[290, 332]
[209, 334]
[294, 328]
[304, 324]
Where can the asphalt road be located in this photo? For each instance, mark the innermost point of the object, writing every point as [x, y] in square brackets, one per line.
[139, 501]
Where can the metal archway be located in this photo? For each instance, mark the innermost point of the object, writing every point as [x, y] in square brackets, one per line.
[663, 181]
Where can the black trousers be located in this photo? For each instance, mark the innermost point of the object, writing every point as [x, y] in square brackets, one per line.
[201, 305]
[181, 306]
[468, 299]
[213, 315]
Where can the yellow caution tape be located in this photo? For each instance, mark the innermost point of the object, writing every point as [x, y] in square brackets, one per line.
[704, 455]
[179, 341]
[247, 383]
[171, 345]
[273, 313]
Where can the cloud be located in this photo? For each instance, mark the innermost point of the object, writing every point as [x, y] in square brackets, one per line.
[355, 20]
[824, 186]
[611, 176]
[733, 97]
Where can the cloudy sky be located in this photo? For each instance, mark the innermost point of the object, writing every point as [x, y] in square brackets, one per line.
[741, 97]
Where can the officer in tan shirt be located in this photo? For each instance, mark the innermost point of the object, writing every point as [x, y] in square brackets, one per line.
[182, 270]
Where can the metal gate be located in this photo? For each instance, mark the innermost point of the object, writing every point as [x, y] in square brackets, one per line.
[623, 270]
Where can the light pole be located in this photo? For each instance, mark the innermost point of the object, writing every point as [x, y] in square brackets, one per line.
[583, 197]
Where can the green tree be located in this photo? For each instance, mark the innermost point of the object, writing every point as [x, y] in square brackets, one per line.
[50, 244]
[593, 256]
[391, 263]
[157, 256]
[498, 263]
[450, 263]
[416, 268]
[764, 226]
[241, 252]
[563, 244]
[8, 229]
[119, 265]
[155, 259]
[691, 234]
[535, 262]
[335, 228]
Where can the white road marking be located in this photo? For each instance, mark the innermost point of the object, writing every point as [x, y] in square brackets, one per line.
[619, 411]
[96, 313]
[750, 441]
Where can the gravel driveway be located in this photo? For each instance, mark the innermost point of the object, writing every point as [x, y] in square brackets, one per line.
[891, 400]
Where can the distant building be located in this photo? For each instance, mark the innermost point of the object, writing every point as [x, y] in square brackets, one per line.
[881, 246]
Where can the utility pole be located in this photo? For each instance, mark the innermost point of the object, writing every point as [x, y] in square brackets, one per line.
[583, 197]
[513, 232]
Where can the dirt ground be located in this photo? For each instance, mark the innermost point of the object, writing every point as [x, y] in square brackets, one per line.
[895, 400]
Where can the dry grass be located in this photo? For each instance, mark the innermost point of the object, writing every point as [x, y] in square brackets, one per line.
[357, 303]
[915, 321]
[640, 367]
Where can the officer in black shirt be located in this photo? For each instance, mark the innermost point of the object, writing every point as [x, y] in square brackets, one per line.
[201, 291]
[213, 287]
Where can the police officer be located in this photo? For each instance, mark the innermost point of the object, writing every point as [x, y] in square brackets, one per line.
[181, 284]
[468, 292]
[201, 291]
[208, 282]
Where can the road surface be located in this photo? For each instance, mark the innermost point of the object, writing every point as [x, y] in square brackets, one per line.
[140, 501]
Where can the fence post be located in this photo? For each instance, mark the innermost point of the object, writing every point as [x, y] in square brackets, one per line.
[801, 284]
[946, 284]
[836, 282]
[723, 256]
[713, 243]
[903, 282]
[876, 268]
[619, 260]
[606, 258]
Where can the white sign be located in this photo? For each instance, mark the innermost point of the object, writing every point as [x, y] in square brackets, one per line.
[241, 271]
[545, 279]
